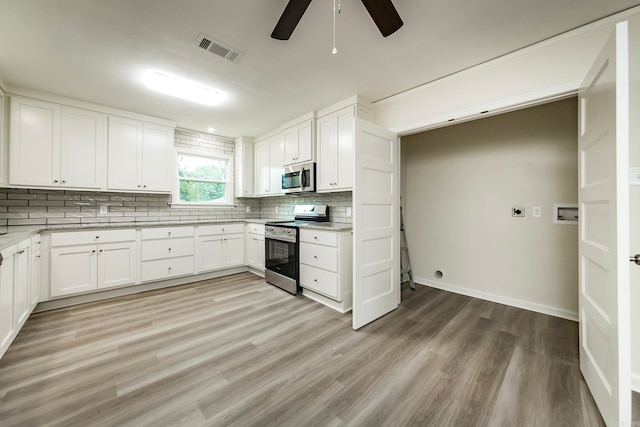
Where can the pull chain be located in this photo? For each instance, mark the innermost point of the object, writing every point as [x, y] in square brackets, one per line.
[334, 51]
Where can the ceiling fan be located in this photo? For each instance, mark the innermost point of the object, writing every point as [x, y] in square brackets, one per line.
[382, 12]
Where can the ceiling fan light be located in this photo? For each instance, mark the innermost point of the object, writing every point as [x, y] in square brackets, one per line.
[183, 88]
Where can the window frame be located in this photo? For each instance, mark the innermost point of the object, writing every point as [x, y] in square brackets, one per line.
[228, 200]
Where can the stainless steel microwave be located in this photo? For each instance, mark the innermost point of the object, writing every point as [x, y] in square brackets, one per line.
[299, 178]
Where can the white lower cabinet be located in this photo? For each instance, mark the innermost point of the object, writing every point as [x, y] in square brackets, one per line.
[15, 304]
[254, 246]
[83, 261]
[34, 278]
[220, 246]
[167, 252]
[325, 267]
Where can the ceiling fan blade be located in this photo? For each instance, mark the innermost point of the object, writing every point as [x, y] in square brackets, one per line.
[289, 19]
[384, 14]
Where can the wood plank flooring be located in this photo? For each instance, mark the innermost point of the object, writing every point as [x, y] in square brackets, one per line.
[237, 351]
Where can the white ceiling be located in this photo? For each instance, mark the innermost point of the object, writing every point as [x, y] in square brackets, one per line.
[99, 50]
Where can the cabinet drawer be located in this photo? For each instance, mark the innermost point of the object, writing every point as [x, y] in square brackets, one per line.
[166, 232]
[95, 236]
[208, 230]
[167, 268]
[167, 248]
[255, 228]
[328, 238]
[321, 281]
[319, 256]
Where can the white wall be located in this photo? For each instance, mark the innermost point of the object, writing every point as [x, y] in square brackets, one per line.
[552, 67]
[460, 183]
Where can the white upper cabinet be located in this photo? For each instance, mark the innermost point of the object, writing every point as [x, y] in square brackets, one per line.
[335, 132]
[299, 142]
[82, 148]
[269, 159]
[125, 150]
[140, 155]
[158, 166]
[52, 145]
[244, 149]
[3, 141]
[34, 143]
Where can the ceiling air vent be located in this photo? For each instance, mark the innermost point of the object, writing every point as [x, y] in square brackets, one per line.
[212, 46]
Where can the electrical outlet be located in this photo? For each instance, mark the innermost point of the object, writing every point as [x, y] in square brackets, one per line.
[103, 210]
[517, 211]
[247, 209]
[348, 212]
[276, 209]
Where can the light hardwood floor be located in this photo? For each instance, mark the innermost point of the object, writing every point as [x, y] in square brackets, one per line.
[237, 351]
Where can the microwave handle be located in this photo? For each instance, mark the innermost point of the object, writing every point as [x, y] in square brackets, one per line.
[303, 179]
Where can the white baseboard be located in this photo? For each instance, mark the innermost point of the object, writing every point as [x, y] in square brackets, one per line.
[526, 305]
[635, 382]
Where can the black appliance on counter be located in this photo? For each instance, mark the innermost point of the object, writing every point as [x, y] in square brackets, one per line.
[282, 249]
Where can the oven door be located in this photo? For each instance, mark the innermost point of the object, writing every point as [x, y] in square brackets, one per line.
[281, 257]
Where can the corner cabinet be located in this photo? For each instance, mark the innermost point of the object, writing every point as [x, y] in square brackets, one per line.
[53, 145]
[268, 166]
[140, 155]
[335, 133]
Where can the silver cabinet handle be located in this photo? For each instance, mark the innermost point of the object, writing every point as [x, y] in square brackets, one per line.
[635, 259]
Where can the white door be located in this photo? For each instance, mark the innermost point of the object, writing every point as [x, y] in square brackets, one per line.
[376, 225]
[604, 230]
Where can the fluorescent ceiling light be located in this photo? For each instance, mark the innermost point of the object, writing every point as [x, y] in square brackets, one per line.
[211, 130]
[183, 88]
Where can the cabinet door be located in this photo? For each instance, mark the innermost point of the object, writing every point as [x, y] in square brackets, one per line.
[158, 169]
[344, 150]
[298, 143]
[125, 152]
[73, 269]
[34, 143]
[260, 250]
[34, 280]
[210, 253]
[7, 277]
[327, 143]
[244, 168]
[117, 264]
[81, 148]
[21, 284]
[262, 172]
[3, 150]
[234, 250]
[276, 162]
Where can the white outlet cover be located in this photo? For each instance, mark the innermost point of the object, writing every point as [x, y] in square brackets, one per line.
[536, 211]
[248, 209]
[103, 210]
[348, 212]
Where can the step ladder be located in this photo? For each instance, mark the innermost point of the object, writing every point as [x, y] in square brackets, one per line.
[405, 262]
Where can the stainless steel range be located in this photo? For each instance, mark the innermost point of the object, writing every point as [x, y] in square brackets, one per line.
[282, 249]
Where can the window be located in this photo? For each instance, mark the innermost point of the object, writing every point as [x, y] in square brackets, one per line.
[204, 179]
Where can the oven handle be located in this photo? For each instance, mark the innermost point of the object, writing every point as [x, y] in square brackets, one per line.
[291, 239]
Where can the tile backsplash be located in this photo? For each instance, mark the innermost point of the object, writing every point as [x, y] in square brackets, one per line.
[21, 206]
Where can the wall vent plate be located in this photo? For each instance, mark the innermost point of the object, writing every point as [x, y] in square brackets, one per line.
[517, 211]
